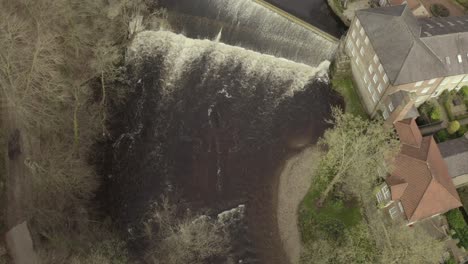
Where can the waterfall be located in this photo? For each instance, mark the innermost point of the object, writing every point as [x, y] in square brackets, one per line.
[249, 25]
[211, 122]
[196, 77]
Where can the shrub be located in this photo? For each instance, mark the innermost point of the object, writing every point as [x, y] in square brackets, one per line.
[464, 92]
[462, 130]
[453, 127]
[442, 135]
[448, 108]
[432, 110]
[455, 219]
[436, 113]
[439, 10]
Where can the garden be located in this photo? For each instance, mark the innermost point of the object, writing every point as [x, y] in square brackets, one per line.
[451, 108]
[458, 224]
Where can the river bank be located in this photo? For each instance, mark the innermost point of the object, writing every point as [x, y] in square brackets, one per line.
[294, 182]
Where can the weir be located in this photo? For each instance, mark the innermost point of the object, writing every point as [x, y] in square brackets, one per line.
[251, 24]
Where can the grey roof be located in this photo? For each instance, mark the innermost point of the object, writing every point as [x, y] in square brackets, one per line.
[412, 49]
[412, 113]
[455, 153]
[398, 97]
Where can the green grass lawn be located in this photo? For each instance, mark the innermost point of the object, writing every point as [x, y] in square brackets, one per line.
[330, 220]
[344, 85]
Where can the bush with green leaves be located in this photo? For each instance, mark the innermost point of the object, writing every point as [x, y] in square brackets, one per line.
[442, 135]
[453, 127]
[458, 224]
[464, 91]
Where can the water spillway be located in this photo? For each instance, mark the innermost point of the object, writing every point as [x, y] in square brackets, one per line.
[212, 121]
[248, 24]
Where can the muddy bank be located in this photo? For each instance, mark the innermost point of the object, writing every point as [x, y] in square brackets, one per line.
[294, 182]
[213, 124]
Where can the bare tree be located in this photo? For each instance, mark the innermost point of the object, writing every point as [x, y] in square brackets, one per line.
[356, 150]
[188, 239]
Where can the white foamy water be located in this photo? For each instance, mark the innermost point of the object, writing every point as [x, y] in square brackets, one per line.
[180, 52]
[248, 24]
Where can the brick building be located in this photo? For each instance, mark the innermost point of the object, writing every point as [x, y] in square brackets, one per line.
[399, 61]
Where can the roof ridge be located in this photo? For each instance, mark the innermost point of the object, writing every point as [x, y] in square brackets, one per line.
[424, 45]
[405, 60]
[433, 181]
[420, 198]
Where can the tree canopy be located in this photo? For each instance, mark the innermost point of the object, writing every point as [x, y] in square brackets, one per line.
[356, 153]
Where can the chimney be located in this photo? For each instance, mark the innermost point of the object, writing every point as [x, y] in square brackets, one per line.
[408, 132]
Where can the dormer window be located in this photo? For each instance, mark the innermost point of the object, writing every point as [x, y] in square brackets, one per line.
[447, 60]
[459, 58]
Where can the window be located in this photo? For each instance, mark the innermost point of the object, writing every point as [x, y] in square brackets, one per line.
[451, 24]
[370, 88]
[379, 197]
[440, 24]
[429, 25]
[401, 207]
[432, 81]
[393, 212]
[374, 98]
[371, 69]
[459, 22]
[425, 90]
[447, 60]
[366, 40]
[386, 192]
[385, 114]
[385, 78]
[418, 84]
[390, 107]
[379, 88]
[358, 23]
[459, 58]
[375, 78]
[353, 53]
[358, 43]
[361, 51]
[361, 32]
[357, 61]
[353, 34]
[376, 60]
[380, 68]
[366, 78]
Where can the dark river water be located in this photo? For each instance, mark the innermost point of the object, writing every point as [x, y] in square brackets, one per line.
[315, 12]
[213, 122]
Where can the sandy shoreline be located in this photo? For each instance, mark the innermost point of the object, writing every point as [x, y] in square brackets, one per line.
[294, 182]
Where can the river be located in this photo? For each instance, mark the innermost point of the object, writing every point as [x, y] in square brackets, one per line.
[213, 119]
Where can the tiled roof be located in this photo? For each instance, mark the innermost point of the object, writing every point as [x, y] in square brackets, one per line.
[455, 153]
[429, 188]
[412, 49]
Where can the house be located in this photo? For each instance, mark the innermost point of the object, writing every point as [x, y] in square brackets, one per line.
[399, 61]
[455, 153]
[419, 185]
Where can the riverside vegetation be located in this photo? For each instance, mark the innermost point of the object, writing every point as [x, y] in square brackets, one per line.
[62, 73]
[339, 219]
